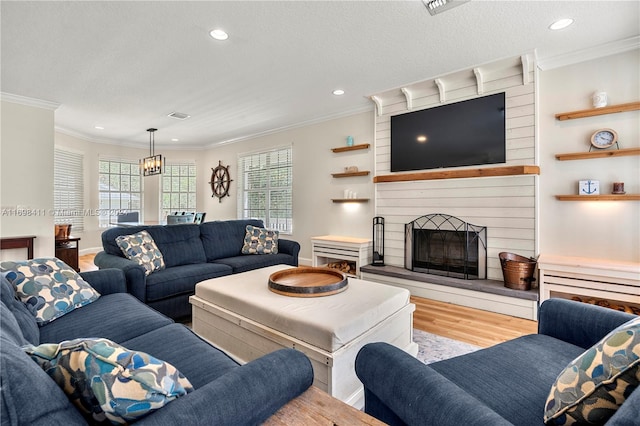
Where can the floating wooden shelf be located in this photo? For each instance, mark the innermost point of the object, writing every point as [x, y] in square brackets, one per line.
[598, 154]
[632, 106]
[605, 197]
[350, 174]
[350, 200]
[351, 148]
[458, 174]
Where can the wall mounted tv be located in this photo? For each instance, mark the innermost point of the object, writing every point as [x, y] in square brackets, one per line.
[464, 133]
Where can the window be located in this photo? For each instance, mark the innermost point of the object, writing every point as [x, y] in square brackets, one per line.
[120, 189]
[178, 192]
[68, 189]
[265, 188]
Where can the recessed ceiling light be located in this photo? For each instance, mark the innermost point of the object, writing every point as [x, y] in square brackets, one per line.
[561, 23]
[98, 127]
[219, 34]
[338, 92]
[175, 140]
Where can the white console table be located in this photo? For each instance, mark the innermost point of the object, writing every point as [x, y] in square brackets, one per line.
[331, 248]
[610, 280]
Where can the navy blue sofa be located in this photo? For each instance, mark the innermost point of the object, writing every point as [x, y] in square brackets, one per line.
[225, 392]
[506, 384]
[192, 253]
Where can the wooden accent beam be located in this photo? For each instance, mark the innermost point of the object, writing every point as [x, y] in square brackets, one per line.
[459, 174]
[631, 106]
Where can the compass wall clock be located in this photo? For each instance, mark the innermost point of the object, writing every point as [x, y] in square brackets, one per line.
[220, 181]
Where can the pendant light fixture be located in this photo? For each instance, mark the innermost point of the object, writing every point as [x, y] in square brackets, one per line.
[151, 165]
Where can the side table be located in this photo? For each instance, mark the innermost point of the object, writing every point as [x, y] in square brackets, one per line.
[329, 249]
[18, 242]
[67, 251]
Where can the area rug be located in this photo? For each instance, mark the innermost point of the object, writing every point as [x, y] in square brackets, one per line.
[432, 348]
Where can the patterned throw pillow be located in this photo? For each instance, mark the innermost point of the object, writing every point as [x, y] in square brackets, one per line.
[48, 286]
[141, 249]
[260, 241]
[592, 387]
[108, 382]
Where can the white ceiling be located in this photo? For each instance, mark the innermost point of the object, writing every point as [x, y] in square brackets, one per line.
[126, 65]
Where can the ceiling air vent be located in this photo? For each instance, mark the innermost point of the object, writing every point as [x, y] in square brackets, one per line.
[179, 115]
[439, 6]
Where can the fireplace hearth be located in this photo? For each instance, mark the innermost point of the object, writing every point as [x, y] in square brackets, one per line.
[441, 244]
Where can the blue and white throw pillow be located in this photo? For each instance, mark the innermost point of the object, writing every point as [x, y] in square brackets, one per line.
[108, 382]
[49, 287]
[260, 241]
[141, 248]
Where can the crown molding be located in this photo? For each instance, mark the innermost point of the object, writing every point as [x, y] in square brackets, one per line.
[32, 102]
[322, 119]
[125, 144]
[613, 48]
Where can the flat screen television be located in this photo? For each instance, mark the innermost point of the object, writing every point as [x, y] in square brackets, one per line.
[464, 133]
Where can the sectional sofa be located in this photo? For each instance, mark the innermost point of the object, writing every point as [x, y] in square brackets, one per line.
[191, 253]
[225, 393]
[511, 383]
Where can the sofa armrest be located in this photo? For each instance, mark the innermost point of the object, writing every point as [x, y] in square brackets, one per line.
[289, 247]
[134, 274]
[578, 323]
[399, 390]
[246, 395]
[106, 281]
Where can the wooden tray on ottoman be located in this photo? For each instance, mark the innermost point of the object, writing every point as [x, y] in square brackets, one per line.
[308, 282]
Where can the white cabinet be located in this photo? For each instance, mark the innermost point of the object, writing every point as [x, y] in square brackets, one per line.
[345, 253]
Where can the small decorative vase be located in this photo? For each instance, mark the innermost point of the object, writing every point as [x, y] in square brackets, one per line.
[349, 140]
[599, 99]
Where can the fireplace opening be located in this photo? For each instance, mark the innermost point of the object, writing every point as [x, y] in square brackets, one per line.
[445, 245]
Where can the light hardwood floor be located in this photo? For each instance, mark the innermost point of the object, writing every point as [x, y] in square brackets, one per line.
[469, 325]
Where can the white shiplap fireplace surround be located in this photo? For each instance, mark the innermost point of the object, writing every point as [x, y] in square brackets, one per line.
[505, 204]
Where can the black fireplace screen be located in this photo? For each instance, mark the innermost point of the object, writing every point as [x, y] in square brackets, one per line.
[445, 245]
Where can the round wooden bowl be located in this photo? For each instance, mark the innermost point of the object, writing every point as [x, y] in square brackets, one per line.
[308, 282]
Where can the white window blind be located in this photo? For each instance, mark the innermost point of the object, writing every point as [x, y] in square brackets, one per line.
[68, 189]
[120, 189]
[178, 192]
[265, 181]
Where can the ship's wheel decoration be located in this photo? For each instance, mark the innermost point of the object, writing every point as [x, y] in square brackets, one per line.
[220, 181]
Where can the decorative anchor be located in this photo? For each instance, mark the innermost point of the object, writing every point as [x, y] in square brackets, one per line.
[588, 189]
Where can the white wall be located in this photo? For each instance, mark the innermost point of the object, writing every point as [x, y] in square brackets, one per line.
[26, 176]
[90, 238]
[313, 186]
[608, 230]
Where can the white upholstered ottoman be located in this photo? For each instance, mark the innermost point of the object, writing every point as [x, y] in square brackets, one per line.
[240, 315]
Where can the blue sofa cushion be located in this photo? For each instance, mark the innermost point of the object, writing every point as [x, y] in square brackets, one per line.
[29, 396]
[48, 285]
[179, 244]
[141, 248]
[223, 239]
[108, 382]
[25, 319]
[116, 317]
[244, 263]
[594, 385]
[260, 241]
[489, 374]
[181, 279]
[204, 363]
